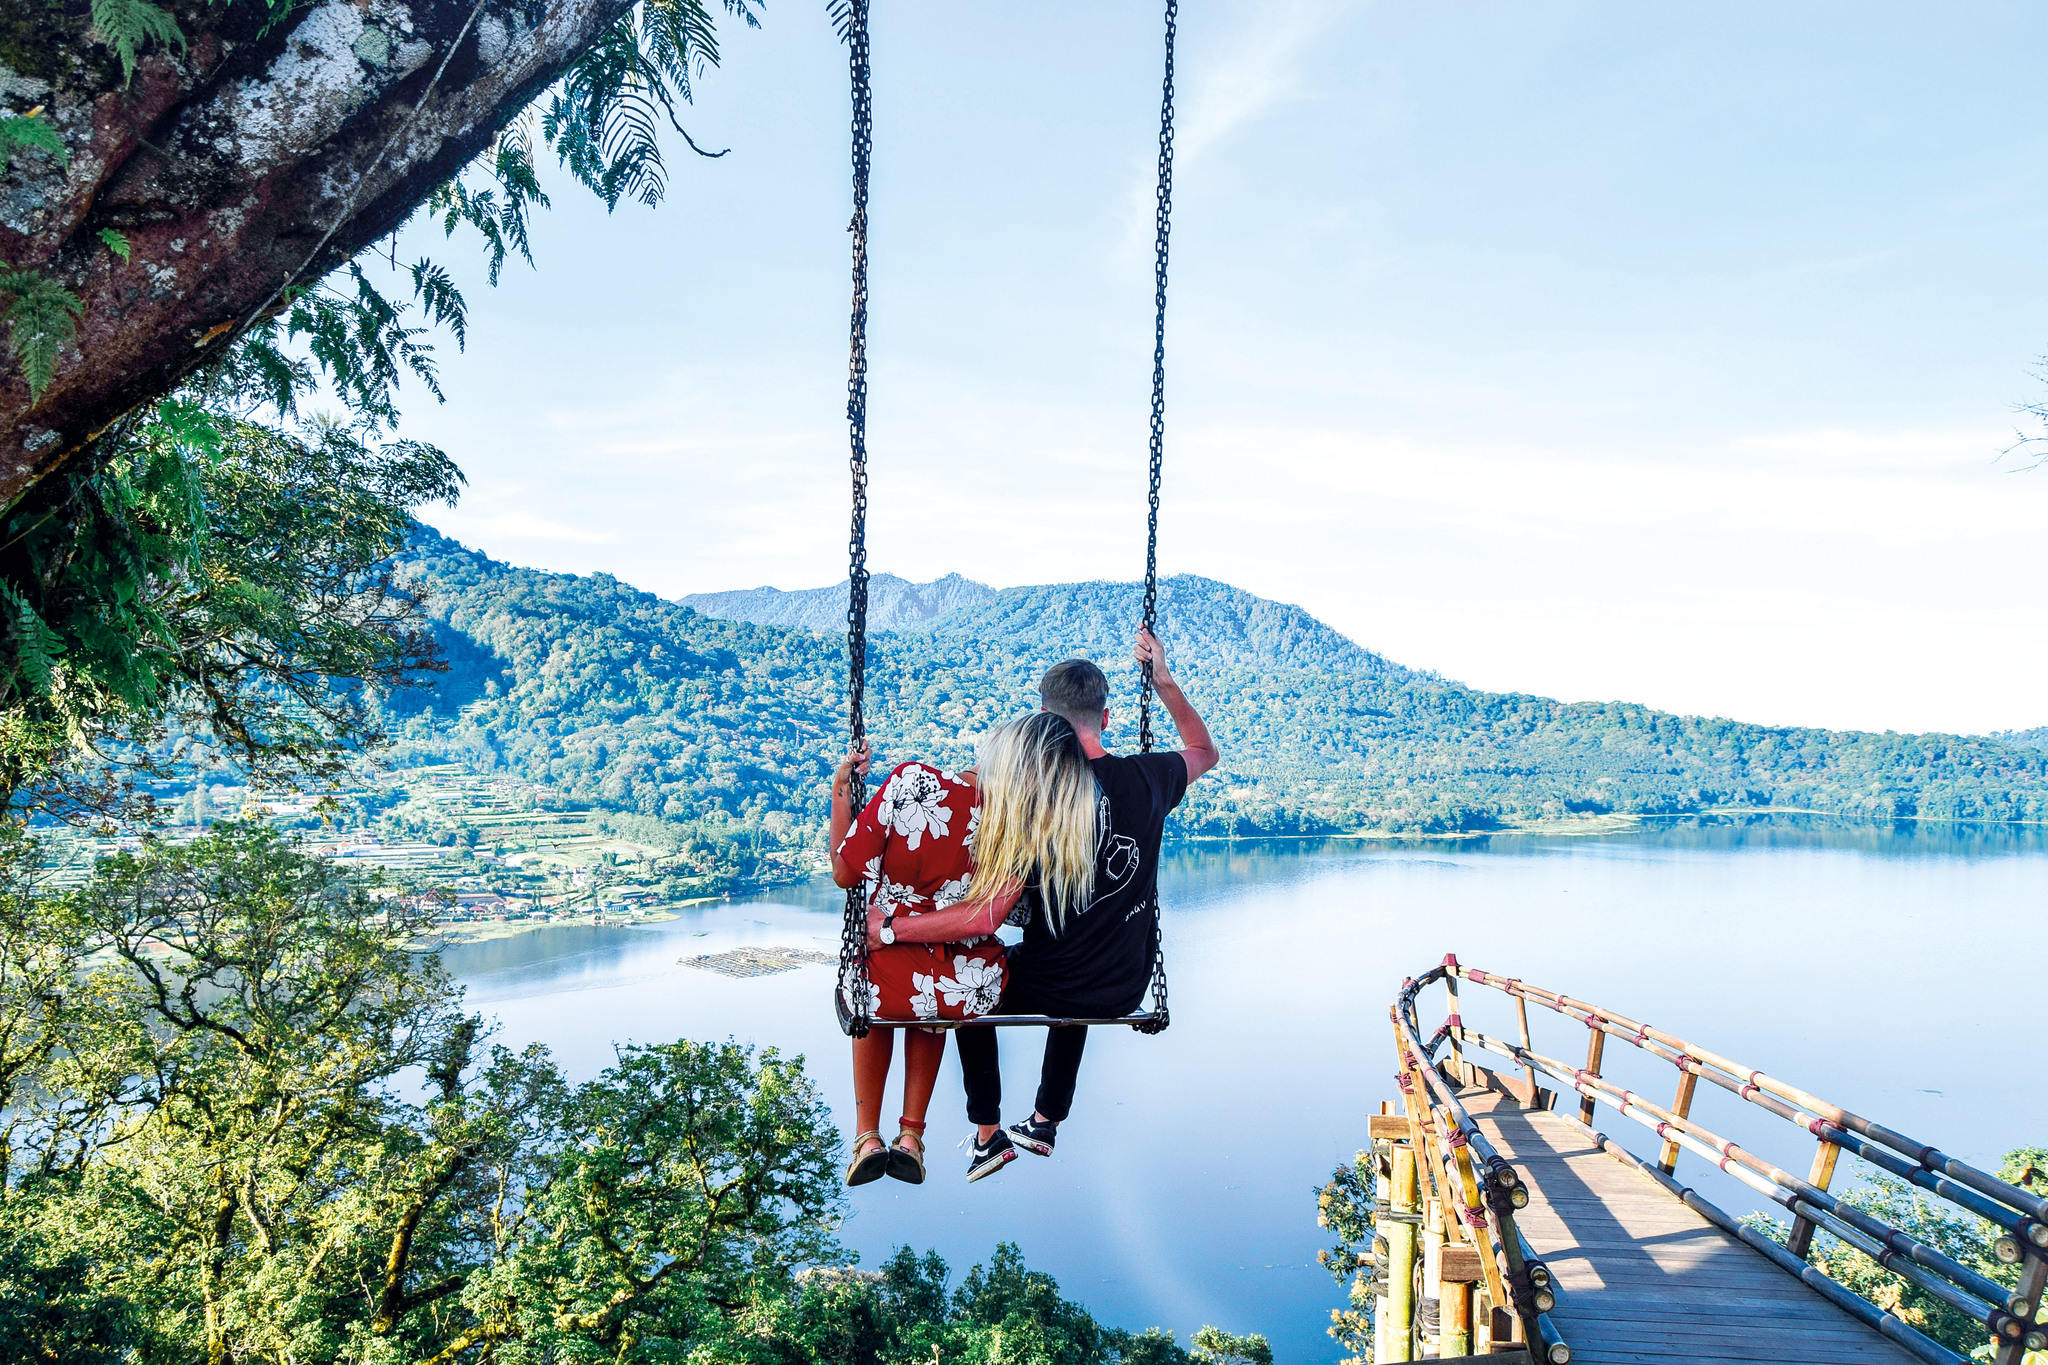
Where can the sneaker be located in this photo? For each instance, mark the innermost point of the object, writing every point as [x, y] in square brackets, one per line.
[986, 1158]
[1033, 1136]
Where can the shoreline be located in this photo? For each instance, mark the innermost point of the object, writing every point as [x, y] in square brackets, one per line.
[459, 933]
[452, 933]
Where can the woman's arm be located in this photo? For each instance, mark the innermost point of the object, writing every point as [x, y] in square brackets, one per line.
[855, 762]
[969, 919]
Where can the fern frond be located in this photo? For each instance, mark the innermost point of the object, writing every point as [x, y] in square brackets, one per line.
[115, 242]
[632, 155]
[42, 319]
[36, 645]
[679, 39]
[125, 25]
[30, 132]
[842, 17]
[440, 300]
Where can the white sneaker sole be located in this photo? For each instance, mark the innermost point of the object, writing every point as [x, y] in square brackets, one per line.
[1031, 1145]
[992, 1165]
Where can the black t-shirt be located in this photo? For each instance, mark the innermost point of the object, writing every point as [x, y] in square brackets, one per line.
[1101, 958]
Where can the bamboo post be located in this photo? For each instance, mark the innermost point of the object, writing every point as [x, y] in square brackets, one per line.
[1457, 1023]
[1522, 1018]
[1682, 1106]
[1432, 1280]
[1801, 1238]
[2033, 1284]
[1398, 1329]
[1596, 1047]
[1456, 1310]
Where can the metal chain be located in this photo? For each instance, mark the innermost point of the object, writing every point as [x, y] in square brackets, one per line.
[853, 944]
[1164, 217]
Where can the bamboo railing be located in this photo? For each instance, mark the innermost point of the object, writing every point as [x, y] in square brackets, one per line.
[1452, 1192]
[2010, 1317]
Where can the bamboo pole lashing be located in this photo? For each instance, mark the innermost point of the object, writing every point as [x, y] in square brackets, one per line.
[1596, 1044]
[1681, 1105]
[1923, 1154]
[2020, 1227]
[1836, 1128]
[1449, 1113]
[1860, 1308]
[1452, 1019]
[1470, 1186]
[1820, 1176]
[1983, 1299]
[1522, 1019]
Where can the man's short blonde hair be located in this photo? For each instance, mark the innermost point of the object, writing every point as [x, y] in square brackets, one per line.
[1077, 690]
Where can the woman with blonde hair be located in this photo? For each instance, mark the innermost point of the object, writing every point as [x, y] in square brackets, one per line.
[945, 858]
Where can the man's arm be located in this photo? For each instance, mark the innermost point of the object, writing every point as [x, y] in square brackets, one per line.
[1198, 751]
[968, 919]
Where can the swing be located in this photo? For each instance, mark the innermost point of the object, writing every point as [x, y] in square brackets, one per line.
[850, 995]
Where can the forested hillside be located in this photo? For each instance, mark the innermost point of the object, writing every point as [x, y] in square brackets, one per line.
[618, 697]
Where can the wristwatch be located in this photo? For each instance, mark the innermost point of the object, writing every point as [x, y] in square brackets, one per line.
[887, 932]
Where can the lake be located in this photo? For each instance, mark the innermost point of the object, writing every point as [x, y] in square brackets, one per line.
[1896, 971]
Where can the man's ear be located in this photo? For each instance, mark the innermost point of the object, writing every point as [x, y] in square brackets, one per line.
[1104, 726]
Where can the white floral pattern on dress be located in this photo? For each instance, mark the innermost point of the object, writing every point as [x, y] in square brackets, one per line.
[914, 803]
[890, 897]
[973, 824]
[910, 843]
[976, 986]
[874, 998]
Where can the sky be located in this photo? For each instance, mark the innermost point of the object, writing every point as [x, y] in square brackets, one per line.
[1661, 353]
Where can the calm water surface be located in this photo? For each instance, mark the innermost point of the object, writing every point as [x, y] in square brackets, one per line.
[1897, 972]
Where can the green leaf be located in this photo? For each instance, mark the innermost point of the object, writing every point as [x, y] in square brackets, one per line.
[115, 242]
[36, 646]
[125, 25]
[42, 319]
[30, 133]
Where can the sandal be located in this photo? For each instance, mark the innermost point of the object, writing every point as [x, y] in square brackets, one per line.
[868, 1164]
[906, 1163]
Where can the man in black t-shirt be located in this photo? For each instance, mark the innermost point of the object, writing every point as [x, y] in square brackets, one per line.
[1097, 965]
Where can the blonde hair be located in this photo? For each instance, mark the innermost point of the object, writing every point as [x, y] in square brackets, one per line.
[1038, 814]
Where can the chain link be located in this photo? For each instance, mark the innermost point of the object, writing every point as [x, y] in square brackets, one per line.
[853, 941]
[853, 957]
[1164, 218]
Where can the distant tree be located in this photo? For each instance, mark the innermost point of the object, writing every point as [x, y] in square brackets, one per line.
[1942, 1226]
[209, 1154]
[217, 585]
[1344, 1208]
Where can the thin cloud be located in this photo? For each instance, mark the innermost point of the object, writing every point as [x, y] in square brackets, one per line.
[1242, 78]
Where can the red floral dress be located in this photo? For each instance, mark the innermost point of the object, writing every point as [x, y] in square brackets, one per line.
[914, 841]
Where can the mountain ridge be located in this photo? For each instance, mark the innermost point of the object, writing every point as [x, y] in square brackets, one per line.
[893, 603]
[618, 697]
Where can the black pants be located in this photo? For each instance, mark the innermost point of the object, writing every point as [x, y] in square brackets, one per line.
[982, 1075]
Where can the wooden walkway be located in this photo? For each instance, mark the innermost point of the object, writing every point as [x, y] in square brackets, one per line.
[1643, 1280]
